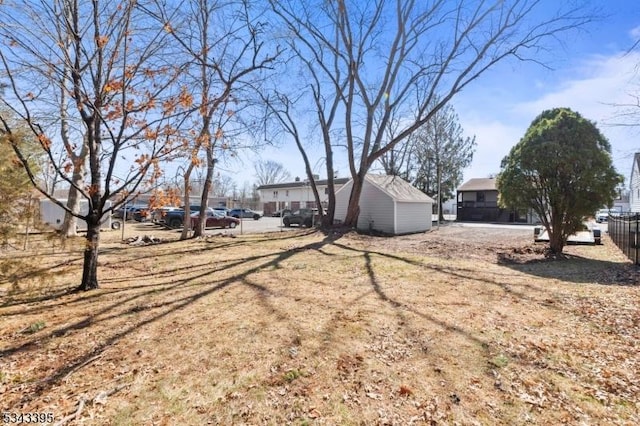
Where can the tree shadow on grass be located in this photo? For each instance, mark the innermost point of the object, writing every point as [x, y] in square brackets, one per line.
[402, 308]
[142, 253]
[156, 311]
[453, 271]
[575, 268]
[165, 278]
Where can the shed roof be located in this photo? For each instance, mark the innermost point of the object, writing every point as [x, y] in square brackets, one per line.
[479, 184]
[398, 189]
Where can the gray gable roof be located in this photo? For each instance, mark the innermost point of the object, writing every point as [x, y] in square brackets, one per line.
[398, 188]
[479, 184]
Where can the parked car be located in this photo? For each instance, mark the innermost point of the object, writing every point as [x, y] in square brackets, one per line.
[244, 214]
[602, 215]
[215, 219]
[140, 214]
[175, 218]
[302, 217]
[158, 215]
[223, 210]
[130, 212]
[282, 212]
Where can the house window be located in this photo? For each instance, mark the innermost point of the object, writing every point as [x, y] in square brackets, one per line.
[275, 194]
[326, 191]
[480, 197]
[287, 193]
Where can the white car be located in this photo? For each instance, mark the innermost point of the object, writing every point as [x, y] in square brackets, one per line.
[602, 216]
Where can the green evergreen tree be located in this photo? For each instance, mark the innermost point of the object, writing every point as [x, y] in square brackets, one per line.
[562, 169]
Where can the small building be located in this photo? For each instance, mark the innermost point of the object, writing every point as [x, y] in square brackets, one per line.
[388, 204]
[52, 215]
[477, 201]
[621, 202]
[295, 195]
[634, 185]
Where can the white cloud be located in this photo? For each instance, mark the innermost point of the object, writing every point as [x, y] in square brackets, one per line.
[592, 88]
[635, 33]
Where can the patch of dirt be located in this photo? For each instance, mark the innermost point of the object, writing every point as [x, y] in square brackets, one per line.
[458, 240]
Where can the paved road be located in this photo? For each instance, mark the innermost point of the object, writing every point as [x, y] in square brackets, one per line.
[250, 226]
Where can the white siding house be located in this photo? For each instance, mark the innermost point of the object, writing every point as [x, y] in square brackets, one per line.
[634, 185]
[388, 204]
[294, 195]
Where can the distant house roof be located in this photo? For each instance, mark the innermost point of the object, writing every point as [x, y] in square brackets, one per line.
[398, 189]
[298, 184]
[479, 184]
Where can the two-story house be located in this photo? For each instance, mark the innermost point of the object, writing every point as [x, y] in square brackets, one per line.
[294, 195]
[477, 201]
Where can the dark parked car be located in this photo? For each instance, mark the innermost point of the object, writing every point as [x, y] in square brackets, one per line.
[158, 215]
[215, 220]
[132, 212]
[302, 217]
[282, 212]
[244, 214]
[175, 218]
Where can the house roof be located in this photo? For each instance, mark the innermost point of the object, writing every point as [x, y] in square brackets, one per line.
[635, 169]
[398, 188]
[298, 184]
[479, 184]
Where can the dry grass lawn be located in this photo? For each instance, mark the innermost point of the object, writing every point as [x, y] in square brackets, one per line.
[456, 326]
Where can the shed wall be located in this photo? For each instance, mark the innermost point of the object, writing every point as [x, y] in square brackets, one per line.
[342, 201]
[413, 217]
[376, 210]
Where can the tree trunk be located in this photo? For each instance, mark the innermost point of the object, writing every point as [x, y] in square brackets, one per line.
[556, 242]
[204, 199]
[186, 218]
[557, 239]
[329, 216]
[70, 222]
[69, 226]
[353, 209]
[90, 266]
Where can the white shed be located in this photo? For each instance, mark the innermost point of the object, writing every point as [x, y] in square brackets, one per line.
[388, 204]
[52, 214]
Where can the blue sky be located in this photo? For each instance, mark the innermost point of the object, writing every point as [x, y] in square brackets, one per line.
[590, 73]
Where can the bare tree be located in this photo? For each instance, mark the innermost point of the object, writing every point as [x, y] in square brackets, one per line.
[222, 186]
[434, 157]
[281, 108]
[123, 99]
[370, 62]
[269, 172]
[220, 41]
